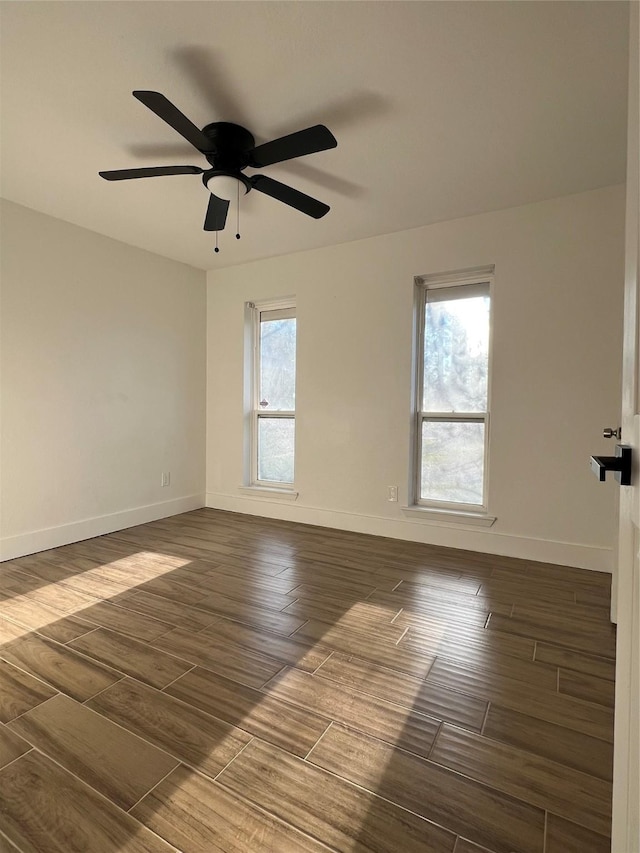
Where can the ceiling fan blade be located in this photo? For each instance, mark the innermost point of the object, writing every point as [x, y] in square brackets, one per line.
[309, 141]
[165, 110]
[216, 214]
[294, 198]
[152, 172]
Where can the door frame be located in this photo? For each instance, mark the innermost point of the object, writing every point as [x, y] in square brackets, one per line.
[625, 833]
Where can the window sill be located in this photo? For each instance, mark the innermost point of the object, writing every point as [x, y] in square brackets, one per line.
[474, 519]
[269, 492]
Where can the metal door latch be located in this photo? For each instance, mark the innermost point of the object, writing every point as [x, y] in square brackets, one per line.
[610, 432]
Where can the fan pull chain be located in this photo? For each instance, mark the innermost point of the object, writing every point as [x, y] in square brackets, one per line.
[238, 213]
[216, 248]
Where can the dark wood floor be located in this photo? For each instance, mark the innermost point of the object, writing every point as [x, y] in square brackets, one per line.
[219, 682]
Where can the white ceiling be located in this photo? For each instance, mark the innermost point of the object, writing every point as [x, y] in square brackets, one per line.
[441, 110]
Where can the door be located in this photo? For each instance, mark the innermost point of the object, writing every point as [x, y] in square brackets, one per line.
[626, 587]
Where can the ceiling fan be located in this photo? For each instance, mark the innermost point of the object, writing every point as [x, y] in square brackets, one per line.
[230, 149]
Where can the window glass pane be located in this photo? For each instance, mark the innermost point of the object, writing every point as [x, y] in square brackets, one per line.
[275, 449]
[456, 354]
[278, 365]
[452, 461]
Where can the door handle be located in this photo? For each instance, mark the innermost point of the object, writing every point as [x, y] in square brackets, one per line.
[620, 464]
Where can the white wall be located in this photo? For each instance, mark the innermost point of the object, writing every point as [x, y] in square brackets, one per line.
[102, 383]
[556, 379]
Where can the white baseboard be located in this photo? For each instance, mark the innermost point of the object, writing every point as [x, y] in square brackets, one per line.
[486, 541]
[12, 547]
[432, 533]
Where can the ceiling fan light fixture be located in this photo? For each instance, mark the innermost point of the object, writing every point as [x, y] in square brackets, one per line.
[225, 186]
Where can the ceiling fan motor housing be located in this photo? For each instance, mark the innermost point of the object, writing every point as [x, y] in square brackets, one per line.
[231, 145]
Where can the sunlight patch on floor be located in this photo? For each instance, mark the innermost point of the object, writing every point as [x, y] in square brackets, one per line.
[51, 602]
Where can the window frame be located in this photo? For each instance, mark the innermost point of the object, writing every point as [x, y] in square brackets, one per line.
[478, 278]
[286, 307]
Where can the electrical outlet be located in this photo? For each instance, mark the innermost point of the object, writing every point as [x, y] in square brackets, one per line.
[166, 478]
[392, 493]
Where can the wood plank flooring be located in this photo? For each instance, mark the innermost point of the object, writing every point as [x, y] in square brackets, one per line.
[220, 683]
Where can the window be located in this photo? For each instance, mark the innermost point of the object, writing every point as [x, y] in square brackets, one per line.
[452, 394]
[274, 395]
